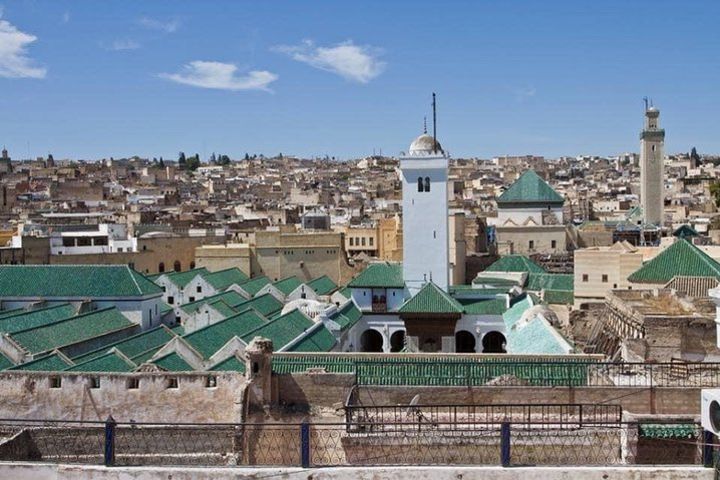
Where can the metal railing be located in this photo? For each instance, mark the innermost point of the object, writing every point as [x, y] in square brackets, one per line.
[313, 445]
[402, 418]
[473, 372]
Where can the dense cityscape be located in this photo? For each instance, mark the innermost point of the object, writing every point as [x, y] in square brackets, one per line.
[415, 313]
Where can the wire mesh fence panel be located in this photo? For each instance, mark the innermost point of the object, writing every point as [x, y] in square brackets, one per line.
[59, 442]
[590, 446]
[272, 444]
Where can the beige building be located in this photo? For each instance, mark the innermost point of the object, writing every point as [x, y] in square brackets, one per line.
[220, 257]
[600, 269]
[362, 239]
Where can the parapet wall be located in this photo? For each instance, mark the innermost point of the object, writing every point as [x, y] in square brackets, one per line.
[148, 397]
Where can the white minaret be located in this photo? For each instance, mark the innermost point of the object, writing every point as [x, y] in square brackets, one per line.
[652, 170]
[425, 214]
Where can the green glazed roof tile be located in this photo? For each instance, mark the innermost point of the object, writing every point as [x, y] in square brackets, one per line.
[210, 339]
[181, 279]
[132, 346]
[318, 340]
[230, 298]
[380, 275]
[47, 363]
[515, 263]
[73, 281]
[431, 299]
[230, 364]
[108, 362]
[266, 304]
[173, 362]
[287, 285]
[223, 279]
[281, 330]
[36, 318]
[323, 285]
[254, 285]
[487, 306]
[668, 430]
[529, 188]
[682, 258]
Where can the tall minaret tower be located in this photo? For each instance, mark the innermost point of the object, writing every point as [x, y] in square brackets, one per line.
[425, 213]
[652, 171]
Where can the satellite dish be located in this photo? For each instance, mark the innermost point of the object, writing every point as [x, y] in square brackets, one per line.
[411, 408]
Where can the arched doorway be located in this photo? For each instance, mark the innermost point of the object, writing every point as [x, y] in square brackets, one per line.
[464, 342]
[161, 267]
[371, 341]
[494, 342]
[176, 266]
[397, 341]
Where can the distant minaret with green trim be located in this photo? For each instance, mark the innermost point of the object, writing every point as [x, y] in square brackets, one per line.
[652, 172]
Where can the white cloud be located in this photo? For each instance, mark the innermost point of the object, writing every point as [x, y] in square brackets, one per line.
[168, 26]
[220, 76]
[524, 93]
[119, 45]
[353, 62]
[66, 17]
[14, 62]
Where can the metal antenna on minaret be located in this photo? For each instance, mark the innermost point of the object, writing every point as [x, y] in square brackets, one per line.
[425, 125]
[645, 99]
[434, 125]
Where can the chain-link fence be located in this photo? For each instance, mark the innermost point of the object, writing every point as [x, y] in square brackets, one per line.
[335, 444]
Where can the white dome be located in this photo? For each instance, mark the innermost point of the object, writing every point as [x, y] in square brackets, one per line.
[424, 144]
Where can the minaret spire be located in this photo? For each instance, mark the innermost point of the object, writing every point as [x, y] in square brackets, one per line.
[434, 125]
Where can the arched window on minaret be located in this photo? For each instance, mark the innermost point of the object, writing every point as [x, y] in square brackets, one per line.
[427, 184]
[420, 184]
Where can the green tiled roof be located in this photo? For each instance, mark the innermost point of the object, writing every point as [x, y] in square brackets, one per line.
[515, 263]
[668, 430]
[682, 258]
[287, 285]
[550, 281]
[345, 292]
[108, 362]
[431, 299]
[318, 340]
[223, 308]
[230, 364]
[536, 337]
[165, 308]
[483, 306]
[230, 297]
[10, 313]
[181, 279]
[529, 188]
[347, 316]
[145, 356]
[254, 285]
[685, 231]
[300, 363]
[72, 330]
[514, 313]
[266, 304]
[36, 318]
[84, 281]
[173, 362]
[323, 285]
[559, 297]
[5, 362]
[134, 345]
[495, 282]
[210, 339]
[282, 330]
[47, 363]
[224, 278]
[379, 275]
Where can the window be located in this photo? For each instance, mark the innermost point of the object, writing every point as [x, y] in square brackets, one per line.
[210, 381]
[604, 278]
[133, 383]
[171, 300]
[370, 240]
[553, 244]
[199, 289]
[55, 382]
[94, 382]
[420, 185]
[177, 266]
[352, 241]
[531, 244]
[363, 241]
[192, 299]
[427, 184]
[172, 382]
[585, 277]
[161, 267]
[192, 264]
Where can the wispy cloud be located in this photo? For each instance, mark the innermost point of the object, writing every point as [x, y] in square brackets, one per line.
[126, 44]
[167, 26]
[65, 17]
[220, 76]
[353, 62]
[524, 93]
[14, 62]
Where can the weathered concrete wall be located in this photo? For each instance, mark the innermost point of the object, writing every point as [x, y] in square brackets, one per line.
[27, 395]
[73, 472]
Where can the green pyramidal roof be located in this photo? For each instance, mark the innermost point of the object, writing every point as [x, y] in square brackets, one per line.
[515, 263]
[431, 299]
[680, 258]
[530, 188]
[379, 275]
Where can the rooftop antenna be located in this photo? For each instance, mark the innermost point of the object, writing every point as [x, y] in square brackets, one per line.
[425, 125]
[434, 125]
[645, 99]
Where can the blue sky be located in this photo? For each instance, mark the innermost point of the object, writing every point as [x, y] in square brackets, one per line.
[88, 79]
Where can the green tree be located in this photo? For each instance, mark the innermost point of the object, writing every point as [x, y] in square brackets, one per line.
[161, 164]
[715, 192]
[247, 157]
[182, 160]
